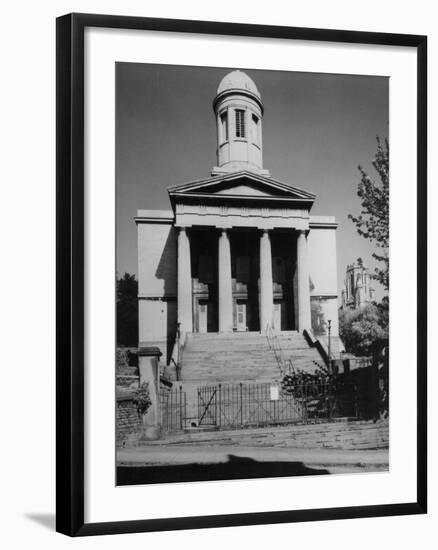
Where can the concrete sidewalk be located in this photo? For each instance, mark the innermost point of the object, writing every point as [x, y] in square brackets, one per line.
[334, 460]
[301, 449]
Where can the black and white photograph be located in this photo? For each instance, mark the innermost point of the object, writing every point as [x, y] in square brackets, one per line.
[252, 273]
[216, 258]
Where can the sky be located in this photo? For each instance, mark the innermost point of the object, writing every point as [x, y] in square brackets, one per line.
[317, 129]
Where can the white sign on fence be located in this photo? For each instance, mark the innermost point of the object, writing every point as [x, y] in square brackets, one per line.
[274, 393]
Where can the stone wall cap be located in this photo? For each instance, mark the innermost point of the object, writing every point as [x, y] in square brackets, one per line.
[149, 351]
[125, 395]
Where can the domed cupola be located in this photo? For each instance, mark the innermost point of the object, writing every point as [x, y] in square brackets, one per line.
[239, 110]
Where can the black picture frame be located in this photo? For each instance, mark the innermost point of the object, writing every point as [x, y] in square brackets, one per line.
[70, 273]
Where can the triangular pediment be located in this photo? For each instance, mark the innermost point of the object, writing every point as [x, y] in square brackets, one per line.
[241, 185]
[245, 190]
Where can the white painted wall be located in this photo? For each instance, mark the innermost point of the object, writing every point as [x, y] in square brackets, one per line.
[156, 259]
[322, 270]
[322, 261]
[157, 272]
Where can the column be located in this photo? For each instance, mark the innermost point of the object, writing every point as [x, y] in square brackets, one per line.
[185, 316]
[304, 321]
[149, 371]
[266, 288]
[225, 283]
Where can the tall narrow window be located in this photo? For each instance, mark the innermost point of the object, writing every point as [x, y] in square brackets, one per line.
[255, 130]
[224, 127]
[240, 123]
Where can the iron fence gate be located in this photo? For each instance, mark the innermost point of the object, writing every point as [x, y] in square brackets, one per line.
[244, 405]
[173, 409]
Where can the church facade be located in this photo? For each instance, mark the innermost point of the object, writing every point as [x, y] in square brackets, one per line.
[237, 250]
[358, 290]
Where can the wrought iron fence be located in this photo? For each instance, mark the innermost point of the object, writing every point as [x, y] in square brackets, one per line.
[252, 405]
[244, 405]
[173, 409]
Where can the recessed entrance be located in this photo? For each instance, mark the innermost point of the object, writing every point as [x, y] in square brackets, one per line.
[202, 315]
[245, 279]
[241, 323]
[245, 254]
[204, 280]
[280, 315]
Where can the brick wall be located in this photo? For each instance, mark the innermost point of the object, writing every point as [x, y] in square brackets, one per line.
[128, 421]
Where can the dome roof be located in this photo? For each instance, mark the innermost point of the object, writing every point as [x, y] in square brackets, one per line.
[238, 80]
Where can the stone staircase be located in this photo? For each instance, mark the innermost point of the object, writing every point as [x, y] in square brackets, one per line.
[228, 358]
[242, 357]
[296, 348]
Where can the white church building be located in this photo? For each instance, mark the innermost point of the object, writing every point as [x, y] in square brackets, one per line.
[238, 251]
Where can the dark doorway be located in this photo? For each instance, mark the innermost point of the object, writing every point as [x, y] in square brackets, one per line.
[283, 246]
[245, 269]
[204, 251]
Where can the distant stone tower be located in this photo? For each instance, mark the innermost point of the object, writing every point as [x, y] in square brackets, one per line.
[239, 110]
[358, 290]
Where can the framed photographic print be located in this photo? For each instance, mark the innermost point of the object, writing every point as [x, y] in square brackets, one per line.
[241, 298]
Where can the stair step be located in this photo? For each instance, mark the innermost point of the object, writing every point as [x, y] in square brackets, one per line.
[244, 356]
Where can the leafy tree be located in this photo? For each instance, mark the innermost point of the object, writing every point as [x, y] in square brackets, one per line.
[364, 331]
[373, 221]
[317, 318]
[127, 311]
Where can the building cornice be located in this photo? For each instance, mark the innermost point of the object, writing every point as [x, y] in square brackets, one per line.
[244, 200]
[237, 92]
[322, 222]
[155, 216]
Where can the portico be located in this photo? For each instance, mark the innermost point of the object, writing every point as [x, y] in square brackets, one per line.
[240, 296]
[242, 254]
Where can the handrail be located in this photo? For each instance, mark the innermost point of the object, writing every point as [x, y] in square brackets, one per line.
[285, 366]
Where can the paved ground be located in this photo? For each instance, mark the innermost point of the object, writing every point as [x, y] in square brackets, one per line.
[331, 459]
[240, 454]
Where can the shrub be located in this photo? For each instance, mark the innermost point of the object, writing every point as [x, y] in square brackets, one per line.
[142, 398]
[364, 330]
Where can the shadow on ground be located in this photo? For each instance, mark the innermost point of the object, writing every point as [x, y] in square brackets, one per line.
[46, 520]
[236, 467]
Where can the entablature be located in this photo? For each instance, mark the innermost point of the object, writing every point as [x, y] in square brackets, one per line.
[187, 215]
